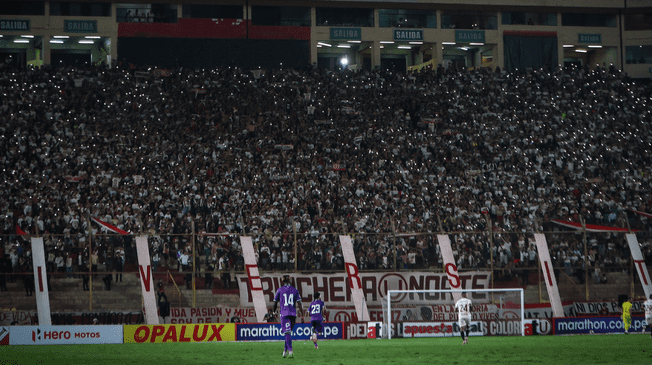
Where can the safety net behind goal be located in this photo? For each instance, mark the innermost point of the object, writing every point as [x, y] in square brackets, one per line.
[431, 313]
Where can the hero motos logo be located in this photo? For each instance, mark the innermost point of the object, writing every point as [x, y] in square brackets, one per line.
[52, 335]
[36, 335]
[4, 336]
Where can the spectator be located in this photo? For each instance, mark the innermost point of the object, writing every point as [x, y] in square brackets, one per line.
[107, 281]
[513, 149]
[60, 262]
[119, 263]
[94, 262]
[69, 262]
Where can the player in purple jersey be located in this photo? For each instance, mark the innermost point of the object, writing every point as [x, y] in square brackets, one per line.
[290, 301]
[316, 311]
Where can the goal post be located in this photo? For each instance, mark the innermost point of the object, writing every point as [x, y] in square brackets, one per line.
[431, 313]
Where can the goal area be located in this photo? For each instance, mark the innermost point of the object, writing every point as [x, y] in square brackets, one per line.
[431, 313]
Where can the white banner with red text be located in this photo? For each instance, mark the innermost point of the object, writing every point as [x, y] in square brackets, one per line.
[40, 282]
[336, 288]
[549, 274]
[355, 284]
[639, 263]
[146, 280]
[253, 278]
[449, 264]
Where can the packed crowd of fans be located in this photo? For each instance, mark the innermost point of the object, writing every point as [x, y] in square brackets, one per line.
[301, 155]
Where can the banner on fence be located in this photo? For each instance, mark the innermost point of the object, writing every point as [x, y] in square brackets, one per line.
[167, 333]
[361, 330]
[64, 335]
[335, 288]
[596, 308]
[439, 329]
[217, 314]
[587, 325]
[355, 330]
[223, 314]
[544, 310]
[272, 331]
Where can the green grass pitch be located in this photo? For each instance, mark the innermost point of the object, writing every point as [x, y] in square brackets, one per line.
[597, 349]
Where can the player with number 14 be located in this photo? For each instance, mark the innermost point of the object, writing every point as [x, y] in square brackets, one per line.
[290, 302]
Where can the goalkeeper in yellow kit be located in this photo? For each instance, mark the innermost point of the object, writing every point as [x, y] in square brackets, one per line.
[627, 317]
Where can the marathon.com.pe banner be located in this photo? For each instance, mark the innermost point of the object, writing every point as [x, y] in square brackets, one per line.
[272, 331]
[586, 325]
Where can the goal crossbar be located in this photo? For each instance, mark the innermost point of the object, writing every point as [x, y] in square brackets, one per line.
[419, 291]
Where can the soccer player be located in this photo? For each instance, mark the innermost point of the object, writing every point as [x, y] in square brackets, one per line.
[290, 301]
[627, 317]
[316, 311]
[463, 307]
[648, 313]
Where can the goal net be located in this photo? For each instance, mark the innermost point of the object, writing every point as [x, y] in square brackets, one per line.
[431, 313]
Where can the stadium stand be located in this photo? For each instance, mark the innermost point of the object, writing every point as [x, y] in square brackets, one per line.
[267, 152]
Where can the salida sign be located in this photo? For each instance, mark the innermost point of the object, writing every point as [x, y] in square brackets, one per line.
[179, 333]
[336, 288]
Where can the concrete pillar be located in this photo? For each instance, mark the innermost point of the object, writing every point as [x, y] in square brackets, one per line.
[313, 40]
[560, 45]
[46, 51]
[112, 42]
[499, 49]
[375, 55]
[418, 57]
[439, 54]
[560, 53]
[499, 55]
[47, 56]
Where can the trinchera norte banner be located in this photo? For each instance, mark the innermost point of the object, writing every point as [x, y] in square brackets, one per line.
[335, 288]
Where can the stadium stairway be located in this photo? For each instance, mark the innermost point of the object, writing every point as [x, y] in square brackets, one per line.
[570, 289]
[67, 295]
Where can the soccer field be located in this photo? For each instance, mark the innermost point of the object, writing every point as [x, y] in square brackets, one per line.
[597, 349]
